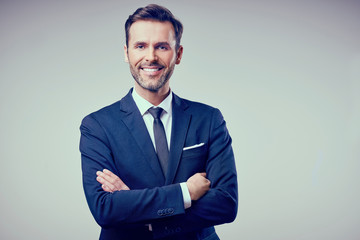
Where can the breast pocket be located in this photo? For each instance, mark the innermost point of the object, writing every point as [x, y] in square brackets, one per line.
[194, 151]
[193, 160]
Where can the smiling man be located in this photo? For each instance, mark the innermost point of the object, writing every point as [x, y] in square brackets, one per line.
[152, 54]
[156, 166]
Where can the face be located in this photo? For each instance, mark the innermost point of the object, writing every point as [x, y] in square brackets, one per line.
[151, 54]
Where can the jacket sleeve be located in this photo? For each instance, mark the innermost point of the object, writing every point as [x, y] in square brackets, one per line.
[120, 207]
[219, 204]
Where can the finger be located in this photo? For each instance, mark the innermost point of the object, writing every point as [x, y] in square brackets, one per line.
[109, 187]
[107, 175]
[103, 177]
[106, 188]
[116, 183]
[113, 181]
[103, 182]
[108, 172]
[208, 183]
[100, 180]
[110, 178]
[116, 180]
[203, 174]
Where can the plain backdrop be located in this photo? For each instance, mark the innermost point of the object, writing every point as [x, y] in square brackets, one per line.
[285, 74]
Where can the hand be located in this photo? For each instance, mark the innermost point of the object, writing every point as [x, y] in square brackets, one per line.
[198, 185]
[110, 182]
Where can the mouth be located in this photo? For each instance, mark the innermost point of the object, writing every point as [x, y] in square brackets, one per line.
[152, 70]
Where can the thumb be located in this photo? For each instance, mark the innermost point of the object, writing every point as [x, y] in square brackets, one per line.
[203, 174]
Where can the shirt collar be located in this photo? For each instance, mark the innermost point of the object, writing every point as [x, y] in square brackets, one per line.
[144, 105]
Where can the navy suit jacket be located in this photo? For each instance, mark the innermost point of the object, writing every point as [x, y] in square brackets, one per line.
[117, 139]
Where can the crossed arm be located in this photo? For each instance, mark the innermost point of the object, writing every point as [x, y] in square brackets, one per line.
[197, 184]
[108, 194]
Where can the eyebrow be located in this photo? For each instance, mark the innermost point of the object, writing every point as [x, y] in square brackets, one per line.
[157, 44]
[163, 43]
[139, 43]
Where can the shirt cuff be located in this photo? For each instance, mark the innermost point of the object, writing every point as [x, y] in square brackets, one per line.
[149, 226]
[186, 195]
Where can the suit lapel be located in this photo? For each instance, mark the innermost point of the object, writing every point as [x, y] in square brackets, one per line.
[137, 128]
[180, 125]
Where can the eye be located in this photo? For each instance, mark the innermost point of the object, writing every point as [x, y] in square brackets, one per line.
[162, 47]
[139, 46]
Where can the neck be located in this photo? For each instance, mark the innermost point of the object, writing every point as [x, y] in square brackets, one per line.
[155, 98]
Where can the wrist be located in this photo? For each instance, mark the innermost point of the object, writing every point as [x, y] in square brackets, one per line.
[188, 185]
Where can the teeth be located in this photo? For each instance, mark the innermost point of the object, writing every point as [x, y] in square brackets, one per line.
[151, 69]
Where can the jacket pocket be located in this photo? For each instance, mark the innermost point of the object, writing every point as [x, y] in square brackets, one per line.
[195, 152]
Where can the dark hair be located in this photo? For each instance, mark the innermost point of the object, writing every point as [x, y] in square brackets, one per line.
[157, 13]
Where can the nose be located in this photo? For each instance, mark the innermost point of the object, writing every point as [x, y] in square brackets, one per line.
[151, 55]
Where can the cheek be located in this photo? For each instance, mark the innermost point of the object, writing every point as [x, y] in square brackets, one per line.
[134, 60]
[169, 59]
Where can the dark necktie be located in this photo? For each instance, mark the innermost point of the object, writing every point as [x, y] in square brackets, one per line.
[160, 138]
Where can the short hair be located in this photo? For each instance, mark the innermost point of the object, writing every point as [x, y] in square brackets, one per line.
[156, 13]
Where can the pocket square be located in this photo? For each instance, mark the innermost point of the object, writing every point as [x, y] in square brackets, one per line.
[193, 146]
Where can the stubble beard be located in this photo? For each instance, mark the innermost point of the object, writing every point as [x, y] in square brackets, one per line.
[153, 87]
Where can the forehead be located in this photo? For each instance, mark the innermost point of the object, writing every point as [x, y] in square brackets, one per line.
[144, 30]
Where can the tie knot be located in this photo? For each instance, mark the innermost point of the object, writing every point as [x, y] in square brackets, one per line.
[155, 112]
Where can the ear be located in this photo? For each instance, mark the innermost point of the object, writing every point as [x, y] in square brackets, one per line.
[179, 54]
[126, 54]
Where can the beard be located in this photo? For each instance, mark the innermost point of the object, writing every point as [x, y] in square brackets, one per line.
[148, 84]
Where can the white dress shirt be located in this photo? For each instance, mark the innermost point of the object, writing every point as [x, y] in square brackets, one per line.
[166, 118]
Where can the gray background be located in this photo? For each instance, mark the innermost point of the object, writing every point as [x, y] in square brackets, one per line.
[286, 75]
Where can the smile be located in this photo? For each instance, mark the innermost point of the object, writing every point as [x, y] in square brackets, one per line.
[151, 69]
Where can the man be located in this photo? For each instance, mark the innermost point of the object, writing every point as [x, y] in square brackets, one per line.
[155, 165]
